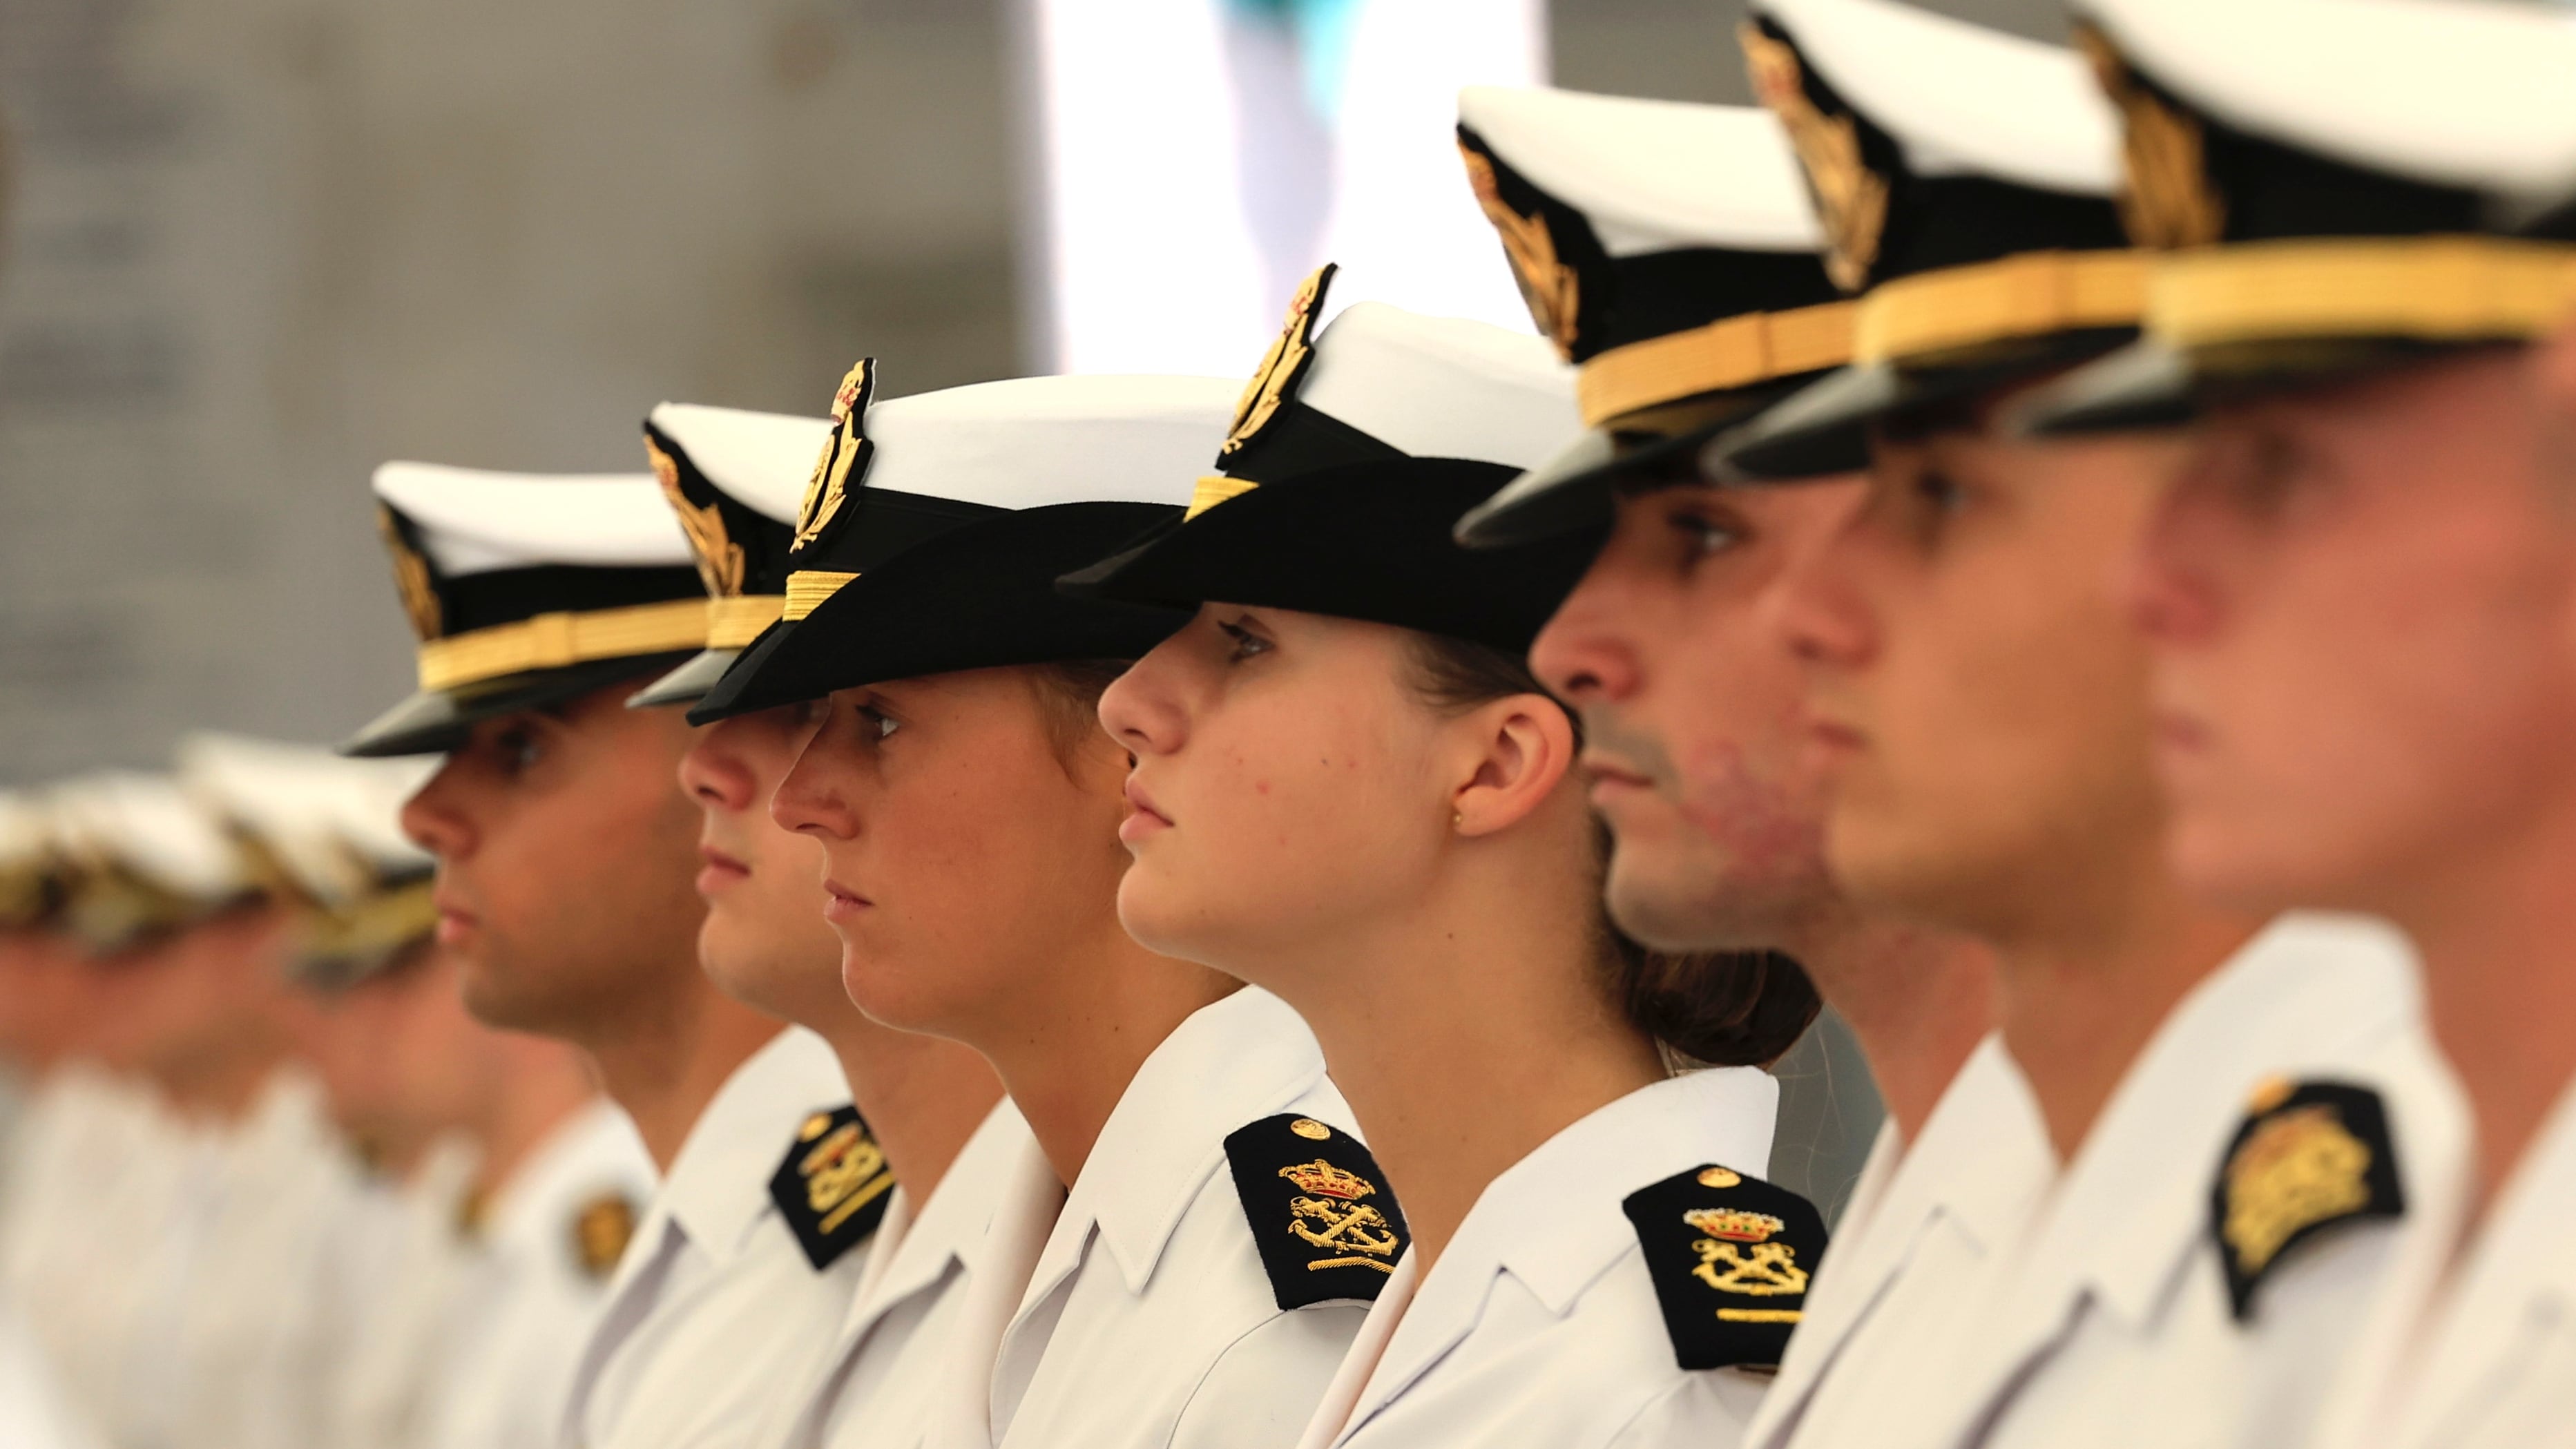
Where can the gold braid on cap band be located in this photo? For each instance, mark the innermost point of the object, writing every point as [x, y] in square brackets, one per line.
[552, 641]
[1213, 489]
[1728, 353]
[807, 589]
[737, 619]
[2433, 289]
[2030, 295]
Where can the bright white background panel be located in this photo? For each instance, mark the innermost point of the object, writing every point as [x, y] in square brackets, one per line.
[1196, 157]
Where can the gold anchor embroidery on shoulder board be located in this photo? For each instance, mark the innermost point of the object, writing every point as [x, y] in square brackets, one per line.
[1738, 1256]
[600, 1232]
[2301, 1167]
[828, 489]
[1851, 199]
[1552, 290]
[2166, 200]
[720, 561]
[1329, 1215]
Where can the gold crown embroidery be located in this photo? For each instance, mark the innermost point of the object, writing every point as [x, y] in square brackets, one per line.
[720, 560]
[412, 579]
[1851, 199]
[2166, 200]
[1278, 369]
[828, 488]
[1552, 290]
[2299, 1168]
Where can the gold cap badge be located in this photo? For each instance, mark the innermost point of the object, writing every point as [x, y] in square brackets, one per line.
[1851, 199]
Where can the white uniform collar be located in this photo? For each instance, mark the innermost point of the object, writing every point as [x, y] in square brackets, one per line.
[1229, 1064]
[527, 1210]
[920, 1239]
[718, 1185]
[2134, 1204]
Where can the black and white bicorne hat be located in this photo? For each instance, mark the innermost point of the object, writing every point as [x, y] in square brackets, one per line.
[735, 479]
[1965, 180]
[1671, 253]
[528, 590]
[2332, 186]
[933, 528]
[1353, 453]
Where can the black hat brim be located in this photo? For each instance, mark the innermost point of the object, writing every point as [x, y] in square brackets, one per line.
[2150, 386]
[686, 684]
[435, 721]
[1371, 540]
[1824, 430]
[980, 596]
[1572, 492]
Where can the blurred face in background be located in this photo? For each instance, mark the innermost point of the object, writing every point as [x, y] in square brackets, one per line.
[1693, 736]
[969, 825]
[565, 858]
[2362, 605]
[765, 941]
[186, 1005]
[1978, 694]
[46, 988]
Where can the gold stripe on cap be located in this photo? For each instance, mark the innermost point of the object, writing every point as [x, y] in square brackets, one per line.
[2436, 289]
[2030, 295]
[1213, 489]
[807, 589]
[1730, 352]
[552, 641]
[733, 622]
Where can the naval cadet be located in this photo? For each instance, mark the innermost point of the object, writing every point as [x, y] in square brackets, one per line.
[1689, 234]
[1983, 704]
[968, 808]
[2357, 591]
[1347, 721]
[849, 1183]
[565, 852]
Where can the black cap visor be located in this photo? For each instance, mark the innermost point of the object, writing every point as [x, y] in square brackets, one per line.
[1367, 541]
[1825, 429]
[980, 596]
[435, 721]
[686, 684]
[2149, 386]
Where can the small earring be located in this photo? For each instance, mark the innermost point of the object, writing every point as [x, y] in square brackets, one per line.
[1457, 818]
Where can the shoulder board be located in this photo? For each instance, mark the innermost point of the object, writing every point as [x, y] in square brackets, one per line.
[601, 1228]
[1730, 1256]
[832, 1185]
[1320, 1211]
[2309, 1156]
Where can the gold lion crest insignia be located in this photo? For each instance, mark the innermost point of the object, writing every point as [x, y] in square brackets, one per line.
[1851, 199]
[720, 559]
[2166, 200]
[828, 490]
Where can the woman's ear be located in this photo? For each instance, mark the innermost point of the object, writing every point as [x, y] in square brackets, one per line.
[1525, 746]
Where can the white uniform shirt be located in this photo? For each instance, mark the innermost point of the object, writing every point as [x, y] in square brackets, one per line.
[1540, 1323]
[398, 1270]
[878, 1386]
[34, 1412]
[2109, 1323]
[1136, 1311]
[2480, 1354]
[528, 1298]
[1928, 1229]
[717, 1312]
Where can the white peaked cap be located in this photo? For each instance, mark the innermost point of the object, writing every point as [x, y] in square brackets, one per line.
[319, 814]
[26, 828]
[474, 522]
[366, 804]
[1652, 176]
[760, 459]
[1443, 387]
[149, 824]
[1962, 99]
[2473, 94]
[1033, 441]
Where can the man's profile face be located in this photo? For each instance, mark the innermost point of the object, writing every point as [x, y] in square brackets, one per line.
[565, 853]
[2361, 602]
[1691, 710]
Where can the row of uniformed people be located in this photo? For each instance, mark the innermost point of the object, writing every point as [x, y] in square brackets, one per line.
[271, 1186]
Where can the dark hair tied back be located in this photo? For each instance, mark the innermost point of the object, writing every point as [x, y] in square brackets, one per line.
[1713, 1008]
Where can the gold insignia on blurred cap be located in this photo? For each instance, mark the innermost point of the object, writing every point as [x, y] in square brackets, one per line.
[1552, 290]
[828, 489]
[2166, 200]
[601, 1231]
[720, 561]
[411, 577]
[1851, 199]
